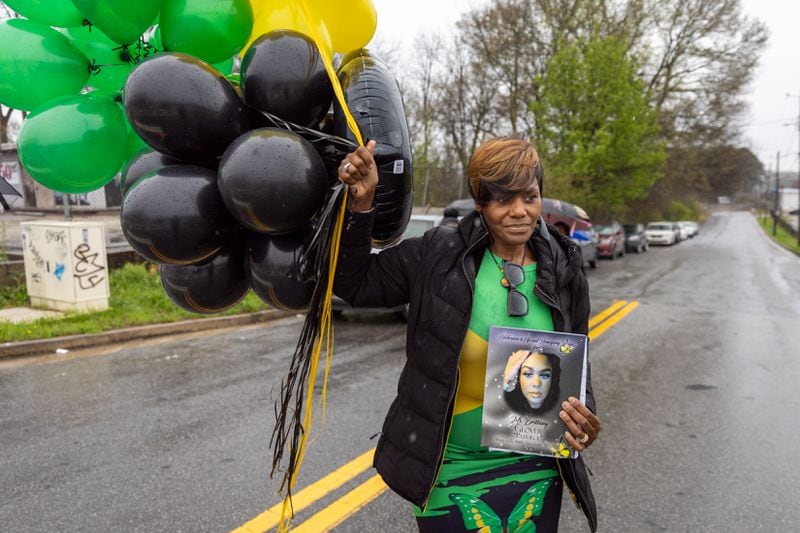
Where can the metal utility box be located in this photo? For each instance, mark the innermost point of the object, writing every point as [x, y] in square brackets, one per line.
[65, 265]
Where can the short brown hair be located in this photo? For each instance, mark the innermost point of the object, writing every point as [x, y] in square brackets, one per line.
[503, 166]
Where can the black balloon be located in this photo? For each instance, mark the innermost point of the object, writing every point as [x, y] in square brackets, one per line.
[209, 287]
[275, 275]
[374, 98]
[176, 216]
[184, 108]
[283, 74]
[272, 180]
[144, 162]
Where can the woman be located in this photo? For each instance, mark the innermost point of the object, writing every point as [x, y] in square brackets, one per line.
[530, 381]
[502, 266]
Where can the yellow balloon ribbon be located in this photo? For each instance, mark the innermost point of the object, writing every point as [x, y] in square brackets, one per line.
[285, 15]
[326, 330]
[328, 61]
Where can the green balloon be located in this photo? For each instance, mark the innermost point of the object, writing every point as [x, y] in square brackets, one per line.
[37, 64]
[58, 13]
[225, 67]
[122, 20]
[111, 62]
[211, 30]
[75, 145]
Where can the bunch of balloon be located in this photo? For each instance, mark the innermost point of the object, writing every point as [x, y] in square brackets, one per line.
[66, 62]
[223, 174]
[259, 136]
[269, 182]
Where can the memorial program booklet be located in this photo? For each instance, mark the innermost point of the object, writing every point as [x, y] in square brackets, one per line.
[529, 373]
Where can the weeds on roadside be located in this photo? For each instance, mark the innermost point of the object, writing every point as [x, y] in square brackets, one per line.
[781, 235]
[14, 294]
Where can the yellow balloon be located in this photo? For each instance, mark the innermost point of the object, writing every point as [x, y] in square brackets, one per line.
[270, 15]
[351, 23]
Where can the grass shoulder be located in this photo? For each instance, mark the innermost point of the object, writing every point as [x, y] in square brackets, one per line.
[783, 237]
[136, 299]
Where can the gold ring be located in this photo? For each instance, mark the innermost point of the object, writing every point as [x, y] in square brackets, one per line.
[584, 439]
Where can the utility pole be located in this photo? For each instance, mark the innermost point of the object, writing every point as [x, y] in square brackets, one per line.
[765, 199]
[798, 172]
[776, 210]
[798, 166]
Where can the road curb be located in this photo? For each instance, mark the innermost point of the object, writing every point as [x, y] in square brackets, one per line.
[71, 342]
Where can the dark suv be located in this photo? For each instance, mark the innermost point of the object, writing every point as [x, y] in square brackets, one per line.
[635, 240]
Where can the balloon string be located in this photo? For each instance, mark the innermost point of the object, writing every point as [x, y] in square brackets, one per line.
[326, 330]
[326, 334]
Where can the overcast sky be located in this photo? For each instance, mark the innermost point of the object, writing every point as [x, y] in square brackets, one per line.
[778, 74]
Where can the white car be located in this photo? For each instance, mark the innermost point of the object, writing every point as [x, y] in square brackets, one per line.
[417, 226]
[660, 233]
[691, 227]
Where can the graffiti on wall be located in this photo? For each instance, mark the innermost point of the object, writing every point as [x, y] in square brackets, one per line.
[87, 270]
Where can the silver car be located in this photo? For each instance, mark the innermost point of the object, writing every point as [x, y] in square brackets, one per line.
[417, 226]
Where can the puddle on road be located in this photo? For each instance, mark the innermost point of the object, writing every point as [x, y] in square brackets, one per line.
[698, 386]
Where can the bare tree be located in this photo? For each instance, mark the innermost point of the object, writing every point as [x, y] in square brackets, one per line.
[506, 44]
[467, 108]
[422, 100]
[703, 53]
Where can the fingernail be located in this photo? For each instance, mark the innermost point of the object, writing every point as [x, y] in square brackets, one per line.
[565, 405]
[573, 399]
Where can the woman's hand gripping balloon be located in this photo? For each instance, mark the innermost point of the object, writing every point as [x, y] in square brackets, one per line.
[360, 173]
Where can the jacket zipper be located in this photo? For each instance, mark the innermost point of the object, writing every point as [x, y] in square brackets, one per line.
[444, 447]
[458, 379]
[547, 299]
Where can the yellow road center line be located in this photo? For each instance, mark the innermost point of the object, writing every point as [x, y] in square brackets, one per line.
[599, 330]
[341, 509]
[350, 503]
[270, 518]
[611, 309]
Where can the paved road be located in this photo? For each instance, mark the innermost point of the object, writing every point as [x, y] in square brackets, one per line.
[695, 387]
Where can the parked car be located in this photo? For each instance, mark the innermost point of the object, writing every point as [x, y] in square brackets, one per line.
[587, 242]
[417, 226]
[690, 227]
[660, 233]
[464, 206]
[635, 240]
[612, 240]
[680, 234]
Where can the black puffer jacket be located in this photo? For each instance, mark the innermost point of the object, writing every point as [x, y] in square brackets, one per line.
[435, 274]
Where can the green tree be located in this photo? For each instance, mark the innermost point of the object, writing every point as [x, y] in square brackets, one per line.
[597, 133]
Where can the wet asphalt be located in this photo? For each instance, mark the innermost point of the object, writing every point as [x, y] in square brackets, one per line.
[696, 389]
